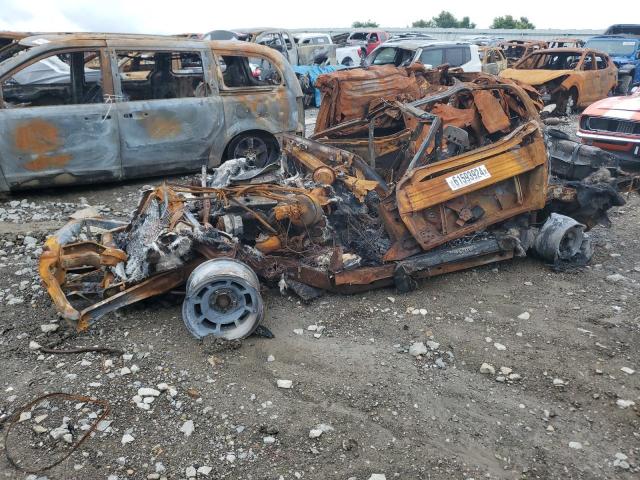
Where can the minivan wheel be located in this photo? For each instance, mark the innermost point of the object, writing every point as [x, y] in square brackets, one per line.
[259, 149]
[347, 62]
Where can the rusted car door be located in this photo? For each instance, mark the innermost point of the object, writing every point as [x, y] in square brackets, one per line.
[168, 108]
[57, 128]
[606, 74]
[587, 74]
[255, 94]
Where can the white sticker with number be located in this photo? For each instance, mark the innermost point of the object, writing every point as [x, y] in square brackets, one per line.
[468, 177]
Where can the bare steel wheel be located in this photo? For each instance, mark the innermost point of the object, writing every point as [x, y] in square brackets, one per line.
[259, 149]
[223, 299]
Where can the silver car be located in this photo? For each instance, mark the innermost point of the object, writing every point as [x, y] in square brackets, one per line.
[87, 108]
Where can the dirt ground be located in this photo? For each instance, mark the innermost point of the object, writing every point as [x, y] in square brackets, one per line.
[557, 413]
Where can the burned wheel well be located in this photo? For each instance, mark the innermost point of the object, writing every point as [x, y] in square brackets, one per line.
[267, 137]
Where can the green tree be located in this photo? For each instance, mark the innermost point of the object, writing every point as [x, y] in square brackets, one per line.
[508, 22]
[444, 20]
[367, 24]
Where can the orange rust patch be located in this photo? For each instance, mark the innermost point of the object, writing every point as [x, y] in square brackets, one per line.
[40, 139]
[37, 136]
[159, 127]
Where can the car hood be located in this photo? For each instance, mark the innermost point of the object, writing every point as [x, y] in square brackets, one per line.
[533, 77]
[626, 107]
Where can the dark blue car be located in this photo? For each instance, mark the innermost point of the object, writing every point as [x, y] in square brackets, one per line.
[622, 44]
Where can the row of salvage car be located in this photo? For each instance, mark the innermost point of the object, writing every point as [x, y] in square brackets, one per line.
[410, 173]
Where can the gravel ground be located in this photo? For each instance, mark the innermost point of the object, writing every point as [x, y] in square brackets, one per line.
[381, 383]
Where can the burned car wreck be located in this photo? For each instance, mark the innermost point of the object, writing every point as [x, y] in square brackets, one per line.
[413, 188]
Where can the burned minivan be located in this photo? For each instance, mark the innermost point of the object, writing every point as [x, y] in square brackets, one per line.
[88, 108]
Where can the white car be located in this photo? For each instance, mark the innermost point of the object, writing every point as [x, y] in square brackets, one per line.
[349, 55]
[428, 52]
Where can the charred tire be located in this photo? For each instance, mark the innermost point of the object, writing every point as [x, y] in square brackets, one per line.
[260, 148]
[561, 238]
[222, 299]
[348, 62]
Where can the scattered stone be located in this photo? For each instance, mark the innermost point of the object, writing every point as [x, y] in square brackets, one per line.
[628, 371]
[190, 472]
[499, 346]
[285, 383]
[558, 382]
[89, 212]
[487, 368]
[187, 428]
[127, 438]
[148, 392]
[33, 345]
[298, 331]
[625, 403]
[269, 440]
[621, 461]
[205, 470]
[49, 327]
[524, 316]
[616, 278]
[271, 358]
[575, 445]
[505, 370]
[433, 345]
[318, 430]
[378, 476]
[24, 416]
[417, 348]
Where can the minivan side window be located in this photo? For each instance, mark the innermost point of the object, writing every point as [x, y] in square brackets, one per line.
[156, 75]
[239, 71]
[457, 56]
[385, 56]
[432, 57]
[72, 78]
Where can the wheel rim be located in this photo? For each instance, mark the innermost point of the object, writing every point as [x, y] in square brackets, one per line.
[222, 306]
[254, 149]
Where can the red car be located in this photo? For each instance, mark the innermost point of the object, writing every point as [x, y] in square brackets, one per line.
[613, 124]
[370, 38]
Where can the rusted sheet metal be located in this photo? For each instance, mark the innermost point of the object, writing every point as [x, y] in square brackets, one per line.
[348, 94]
[460, 192]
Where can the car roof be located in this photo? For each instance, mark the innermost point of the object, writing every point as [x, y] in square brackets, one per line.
[309, 34]
[414, 44]
[62, 38]
[565, 50]
[70, 40]
[617, 35]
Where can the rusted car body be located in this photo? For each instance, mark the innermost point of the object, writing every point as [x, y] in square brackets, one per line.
[566, 42]
[613, 124]
[514, 50]
[467, 187]
[124, 106]
[493, 60]
[568, 77]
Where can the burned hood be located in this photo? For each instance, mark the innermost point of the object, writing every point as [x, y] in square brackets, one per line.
[624, 108]
[534, 77]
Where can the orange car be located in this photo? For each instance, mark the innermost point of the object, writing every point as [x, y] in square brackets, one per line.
[514, 50]
[568, 77]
